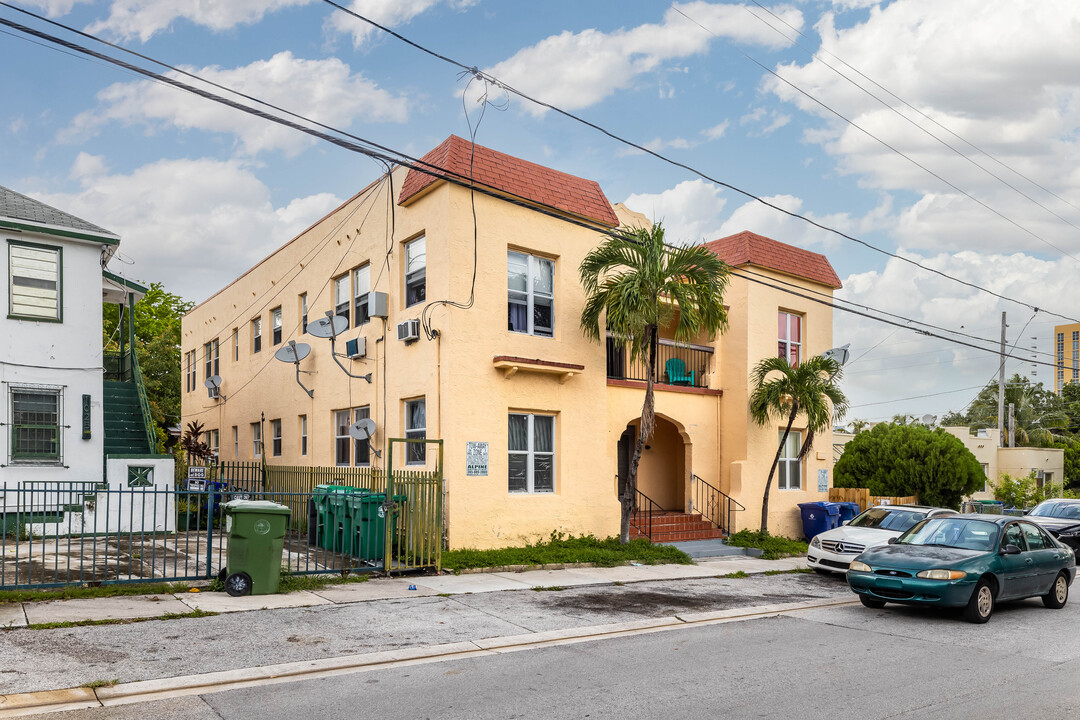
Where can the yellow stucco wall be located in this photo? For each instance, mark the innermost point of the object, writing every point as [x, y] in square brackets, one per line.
[1017, 461]
[469, 398]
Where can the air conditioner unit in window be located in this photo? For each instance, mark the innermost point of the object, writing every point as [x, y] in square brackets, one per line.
[409, 331]
[213, 392]
[356, 348]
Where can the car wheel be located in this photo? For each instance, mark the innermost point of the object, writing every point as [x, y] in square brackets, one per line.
[1059, 593]
[981, 605]
[872, 603]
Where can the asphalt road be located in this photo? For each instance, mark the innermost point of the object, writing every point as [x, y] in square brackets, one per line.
[842, 662]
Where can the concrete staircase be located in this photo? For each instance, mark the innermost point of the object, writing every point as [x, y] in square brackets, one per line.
[125, 427]
[673, 527]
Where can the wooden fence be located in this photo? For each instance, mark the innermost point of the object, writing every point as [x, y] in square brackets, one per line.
[866, 500]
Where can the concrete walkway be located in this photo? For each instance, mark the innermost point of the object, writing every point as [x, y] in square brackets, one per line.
[16, 615]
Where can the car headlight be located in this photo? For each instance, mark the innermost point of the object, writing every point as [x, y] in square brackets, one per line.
[857, 566]
[815, 542]
[942, 574]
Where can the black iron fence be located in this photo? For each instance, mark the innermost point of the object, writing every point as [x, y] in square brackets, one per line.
[641, 519]
[713, 505]
[676, 363]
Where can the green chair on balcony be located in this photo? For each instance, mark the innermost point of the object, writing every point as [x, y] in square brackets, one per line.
[676, 372]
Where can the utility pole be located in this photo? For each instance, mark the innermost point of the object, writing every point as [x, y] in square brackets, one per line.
[1001, 388]
[1012, 425]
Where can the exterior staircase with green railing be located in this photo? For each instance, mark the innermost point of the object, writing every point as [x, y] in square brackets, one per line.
[129, 429]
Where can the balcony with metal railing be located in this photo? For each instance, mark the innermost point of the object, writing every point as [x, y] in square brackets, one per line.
[678, 364]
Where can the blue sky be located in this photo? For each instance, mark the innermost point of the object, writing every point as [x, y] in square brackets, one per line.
[199, 193]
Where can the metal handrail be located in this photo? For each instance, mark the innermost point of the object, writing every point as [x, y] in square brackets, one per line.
[144, 404]
[642, 517]
[713, 505]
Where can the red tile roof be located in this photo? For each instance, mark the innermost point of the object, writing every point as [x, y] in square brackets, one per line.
[513, 176]
[747, 248]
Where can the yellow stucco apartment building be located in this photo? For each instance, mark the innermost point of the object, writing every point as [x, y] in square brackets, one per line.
[506, 365]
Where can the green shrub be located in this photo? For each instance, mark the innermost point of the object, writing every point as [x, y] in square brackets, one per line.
[772, 546]
[560, 549]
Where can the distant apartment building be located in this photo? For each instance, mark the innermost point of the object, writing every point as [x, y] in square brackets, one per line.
[462, 316]
[1066, 355]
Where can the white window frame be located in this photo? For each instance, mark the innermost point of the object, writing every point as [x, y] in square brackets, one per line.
[342, 301]
[303, 313]
[50, 460]
[415, 453]
[303, 435]
[529, 297]
[361, 291]
[212, 440]
[364, 411]
[275, 325]
[236, 344]
[256, 440]
[236, 442]
[256, 335]
[416, 270]
[212, 358]
[35, 269]
[192, 370]
[275, 438]
[785, 337]
[342, 438]
[530, 453]
[789, 462]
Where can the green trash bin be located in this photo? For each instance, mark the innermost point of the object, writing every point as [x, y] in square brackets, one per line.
[330, 512]
[256, 530]
[368, 536]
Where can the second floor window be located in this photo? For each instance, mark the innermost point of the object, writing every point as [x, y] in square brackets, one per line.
[34, 281]
[236, 344]
[256, 335]
[415, 271]
[192, 371]
[212, 358]
[303, 313]
[341, 297]
[790, 337]
[275, 437]
[530, 284]
[275, 316]
[361, 288]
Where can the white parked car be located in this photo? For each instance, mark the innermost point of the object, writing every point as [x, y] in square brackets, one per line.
[833, 550]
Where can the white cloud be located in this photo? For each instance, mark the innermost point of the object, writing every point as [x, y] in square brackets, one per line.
[904, 366]
[690, 211]
[1009, 88]
[324, 90]
[144, 18]
[764, 220]
[765, 121]
[389, 13]
[55, 8]
[17, 125]
[87, 166]
[716, 131]
[193, 224]
[575, 70]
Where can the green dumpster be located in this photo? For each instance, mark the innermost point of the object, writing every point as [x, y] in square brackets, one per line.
[256, 530]
[368, 536]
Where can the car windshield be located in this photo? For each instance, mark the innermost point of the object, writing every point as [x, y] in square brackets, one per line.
[887, 519]
[952, 532]
[1051, 509]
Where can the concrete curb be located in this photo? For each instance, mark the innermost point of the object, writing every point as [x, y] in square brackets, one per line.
[150, 690]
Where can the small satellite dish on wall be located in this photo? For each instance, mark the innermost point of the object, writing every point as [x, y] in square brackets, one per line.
[362, 429]
[213, 387]
[293, 352]
[839, 354]
[328, 327]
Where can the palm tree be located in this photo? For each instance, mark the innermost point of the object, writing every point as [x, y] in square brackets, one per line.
[639, 284]
[780, 390]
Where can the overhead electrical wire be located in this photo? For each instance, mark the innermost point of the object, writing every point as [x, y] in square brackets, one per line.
[428, 168]
[686, 167]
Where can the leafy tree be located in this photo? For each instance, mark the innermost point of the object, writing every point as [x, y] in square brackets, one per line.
[1037, 412]
[637, 284]
[780, 391]
[1070, 406]
[192, 444]
[910, 460]
[157, 345]
[857, 426]
[1071, 446]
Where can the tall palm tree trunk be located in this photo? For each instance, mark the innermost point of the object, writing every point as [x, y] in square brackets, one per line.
[772, 471]
[645, 431]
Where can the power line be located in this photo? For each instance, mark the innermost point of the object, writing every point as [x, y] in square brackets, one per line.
[914, 397]
[496, 81]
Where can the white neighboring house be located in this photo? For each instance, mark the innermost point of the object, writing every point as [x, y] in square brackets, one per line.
[73, 418]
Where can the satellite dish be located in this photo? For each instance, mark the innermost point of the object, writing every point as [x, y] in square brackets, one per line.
[326, 327]
[213, 382]
[362, 429]
[840, 354]
[929, 419]
[293, 352]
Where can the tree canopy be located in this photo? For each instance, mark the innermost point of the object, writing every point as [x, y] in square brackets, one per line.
[1039, 414]
[910, 460]
[157, 345]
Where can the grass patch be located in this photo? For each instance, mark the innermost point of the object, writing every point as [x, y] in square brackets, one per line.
[795, 571]
[124, 621]
[548, 588]
[734, 575]
[773, 547]
[68, 593]
[100, 683]
[295, 583]
[559, 549]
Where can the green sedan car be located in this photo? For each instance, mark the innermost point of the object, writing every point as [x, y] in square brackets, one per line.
[968, 561]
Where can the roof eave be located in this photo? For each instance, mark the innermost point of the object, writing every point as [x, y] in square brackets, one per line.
[59, 230]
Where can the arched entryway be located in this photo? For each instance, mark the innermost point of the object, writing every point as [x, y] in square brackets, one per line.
[662, 472]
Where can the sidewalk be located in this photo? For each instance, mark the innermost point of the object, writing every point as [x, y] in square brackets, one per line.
[19, 615]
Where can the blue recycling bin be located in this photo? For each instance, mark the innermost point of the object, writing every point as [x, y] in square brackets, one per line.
[848, 510]
[817, 517]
